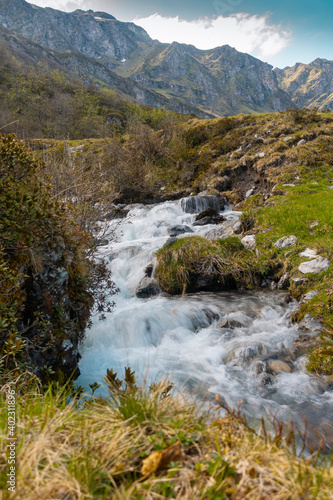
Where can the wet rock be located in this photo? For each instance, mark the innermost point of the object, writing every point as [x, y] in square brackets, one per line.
[204, 221]
[266, 379]
[149, 270]
[284, 282]
[101, 242]
[229, 323]
[196, 204]
[277, 366]
[179, 229]
[286, 242]
[310, 325]
[266, 283]
[302, 345]
[315, 266]
[209, 216]
[273, 285]
[249, 242]
[116, 212]
[170, 241]
[237, 227]
[147, 288]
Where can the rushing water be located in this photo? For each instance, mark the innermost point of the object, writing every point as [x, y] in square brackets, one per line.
[181, 339]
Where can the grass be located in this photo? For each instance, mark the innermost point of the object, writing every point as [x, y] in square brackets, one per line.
[220, 264]
[96, 449]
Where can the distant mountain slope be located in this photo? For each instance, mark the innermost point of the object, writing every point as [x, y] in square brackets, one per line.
[90, 70]
[219, 82]
[309, 85]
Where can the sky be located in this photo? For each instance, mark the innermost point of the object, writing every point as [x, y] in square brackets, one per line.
[280, 32]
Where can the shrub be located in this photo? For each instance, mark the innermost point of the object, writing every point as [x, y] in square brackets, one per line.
[49, 281]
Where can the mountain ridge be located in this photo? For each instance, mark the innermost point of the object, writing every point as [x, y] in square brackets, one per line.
[216, 82]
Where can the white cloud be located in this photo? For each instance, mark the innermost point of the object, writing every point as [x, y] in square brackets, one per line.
[251, 34]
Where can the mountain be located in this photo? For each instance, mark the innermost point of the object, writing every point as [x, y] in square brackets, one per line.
[309, 85]
[222, 80]
[90, 70]
[214, 82]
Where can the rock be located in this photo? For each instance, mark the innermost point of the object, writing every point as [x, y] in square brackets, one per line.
[249, 193]
[277, 366]
[261, 155]
[229, 323]
[209, 216]
[284, 282]
[170, 241]
[101, 242]
[302, 345]
[299, 281]
[273, 285]
[117, 212]
[286, 241]
[249, 242]
[203, 222]
[209, 212]
[301, 142]
[237, 227]
[315, 266]
[309, 296]
[179, 229]
[149, 270]
[310, 325]
[147, 288]
[308, 253]
[287, 139]
[266, 283]
[314, 224]
[196, 204]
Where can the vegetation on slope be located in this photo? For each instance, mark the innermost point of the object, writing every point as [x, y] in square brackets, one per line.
[41, 102]
[49, 281]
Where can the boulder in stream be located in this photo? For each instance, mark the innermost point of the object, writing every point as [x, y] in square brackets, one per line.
[196, 204]
[179, 229]
[147, 288]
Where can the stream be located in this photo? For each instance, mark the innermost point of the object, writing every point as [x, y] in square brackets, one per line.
[208, 343]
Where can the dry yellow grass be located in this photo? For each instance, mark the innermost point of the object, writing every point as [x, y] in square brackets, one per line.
[94, 450]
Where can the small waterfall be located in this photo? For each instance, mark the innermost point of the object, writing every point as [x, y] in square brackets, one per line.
[210, 342]
[196, 204]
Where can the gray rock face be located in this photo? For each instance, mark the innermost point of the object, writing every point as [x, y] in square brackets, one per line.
[284, 282]
[196, 204]
[249, 242]
[308, 253]
[309, 296]
[316, 266]
[286, 242]
[176, 230]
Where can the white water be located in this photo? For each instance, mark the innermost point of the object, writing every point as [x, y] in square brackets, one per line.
[179, 339]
